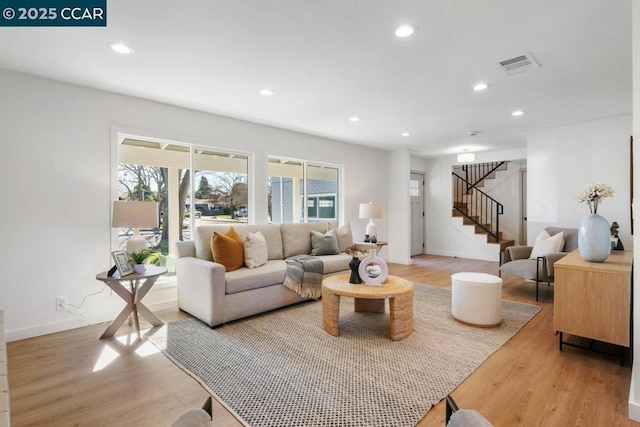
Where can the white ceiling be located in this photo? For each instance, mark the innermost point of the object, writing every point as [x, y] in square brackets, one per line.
[330, 59]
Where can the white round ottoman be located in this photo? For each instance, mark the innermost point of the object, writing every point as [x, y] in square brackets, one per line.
[476, 299]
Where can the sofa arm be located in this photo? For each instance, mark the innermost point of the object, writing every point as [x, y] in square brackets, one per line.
[201, 289]
[185, 248]
[551, 259]
[518, 252]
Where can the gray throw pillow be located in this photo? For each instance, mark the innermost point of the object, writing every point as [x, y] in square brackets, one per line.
[324, 244]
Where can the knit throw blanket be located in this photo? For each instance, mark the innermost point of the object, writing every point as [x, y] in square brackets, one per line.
[304, 276]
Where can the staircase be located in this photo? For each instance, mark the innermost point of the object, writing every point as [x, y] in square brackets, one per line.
[477, 208]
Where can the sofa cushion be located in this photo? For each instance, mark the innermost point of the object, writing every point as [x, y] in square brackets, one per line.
[255, 249]
[335, 263]
[227, 249]
[296, 237]
[522, 267]
[244, 279]
[271, 232]
[324, 243]
[345, 237]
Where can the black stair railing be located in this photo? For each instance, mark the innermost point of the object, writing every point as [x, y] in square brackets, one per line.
[480, 208]
[475, 173]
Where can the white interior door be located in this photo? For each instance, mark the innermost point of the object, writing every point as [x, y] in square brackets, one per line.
[523, 206]
[416, 191]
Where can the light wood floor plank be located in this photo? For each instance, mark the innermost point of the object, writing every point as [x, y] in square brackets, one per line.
[54, 378]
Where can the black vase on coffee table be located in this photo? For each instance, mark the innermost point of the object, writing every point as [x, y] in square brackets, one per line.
[353, 265]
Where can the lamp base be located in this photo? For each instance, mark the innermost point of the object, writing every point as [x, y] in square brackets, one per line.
[371, 231]
[136, 242]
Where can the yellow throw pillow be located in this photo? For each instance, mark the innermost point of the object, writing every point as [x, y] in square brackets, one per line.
[227, 249]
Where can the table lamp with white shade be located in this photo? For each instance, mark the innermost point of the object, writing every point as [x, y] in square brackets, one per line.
[370, 211]
[136, 215]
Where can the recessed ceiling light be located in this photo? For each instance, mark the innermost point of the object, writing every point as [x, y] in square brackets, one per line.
[517, 113]
[405, 134]
[266, 92]
[406, 30]
[120, 48]
[354, 118]
[481, 86]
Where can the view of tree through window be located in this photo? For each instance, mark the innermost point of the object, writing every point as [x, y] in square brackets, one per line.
[152, 171]
[221, 186]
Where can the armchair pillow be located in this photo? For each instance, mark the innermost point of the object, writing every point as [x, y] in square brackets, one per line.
[324, 244]
[255, 249]
[227, 249]
[547, 244]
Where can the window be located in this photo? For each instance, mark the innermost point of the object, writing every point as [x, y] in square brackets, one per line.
[221, 183]
[150, 171]
[293, 181]
[321, 208]
[160, 171]
[414, 188]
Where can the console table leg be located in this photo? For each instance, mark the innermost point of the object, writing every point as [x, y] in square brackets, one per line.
[560, 340]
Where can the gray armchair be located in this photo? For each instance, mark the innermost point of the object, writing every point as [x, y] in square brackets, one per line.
[517, 260]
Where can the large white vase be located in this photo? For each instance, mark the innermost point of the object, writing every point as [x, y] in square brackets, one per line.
[594, 238]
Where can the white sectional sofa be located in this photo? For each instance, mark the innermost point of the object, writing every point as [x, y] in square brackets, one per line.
[208, 292]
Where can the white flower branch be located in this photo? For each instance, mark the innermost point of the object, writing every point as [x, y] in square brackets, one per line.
[593, 194]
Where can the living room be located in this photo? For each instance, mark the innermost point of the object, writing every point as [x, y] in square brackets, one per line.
[62, 133]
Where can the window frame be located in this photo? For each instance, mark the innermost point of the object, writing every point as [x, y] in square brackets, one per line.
[339, 196]
[118, 134]
[317, 198]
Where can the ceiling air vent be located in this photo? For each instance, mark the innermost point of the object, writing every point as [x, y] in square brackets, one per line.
[519, 64]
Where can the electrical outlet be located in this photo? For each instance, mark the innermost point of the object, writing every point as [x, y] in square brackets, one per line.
[61, 303]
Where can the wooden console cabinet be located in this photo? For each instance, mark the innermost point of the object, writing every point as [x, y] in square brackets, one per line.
[593, 299]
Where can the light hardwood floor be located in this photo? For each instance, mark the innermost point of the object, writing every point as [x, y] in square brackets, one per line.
[73, 378]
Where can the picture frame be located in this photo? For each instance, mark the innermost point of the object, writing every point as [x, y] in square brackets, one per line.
[122, 262]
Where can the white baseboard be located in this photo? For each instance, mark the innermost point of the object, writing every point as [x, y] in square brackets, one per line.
[634, 404]
[466, 256]
[403, 261]
[87, 320]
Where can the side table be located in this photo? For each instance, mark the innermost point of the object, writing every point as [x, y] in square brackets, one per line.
[380, 244]
[132, 295]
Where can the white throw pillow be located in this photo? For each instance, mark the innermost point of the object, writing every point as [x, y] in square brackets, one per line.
[255, 249]
[345, 238]
[546, 244]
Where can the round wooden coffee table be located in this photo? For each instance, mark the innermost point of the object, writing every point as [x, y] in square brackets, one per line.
[369, 298]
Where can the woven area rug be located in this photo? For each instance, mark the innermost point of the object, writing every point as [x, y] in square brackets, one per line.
[283, 369]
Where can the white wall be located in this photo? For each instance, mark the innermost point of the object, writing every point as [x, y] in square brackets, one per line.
[562, 160]
[399, 207]
[56, 176]
[634, 391]
[445, 236]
